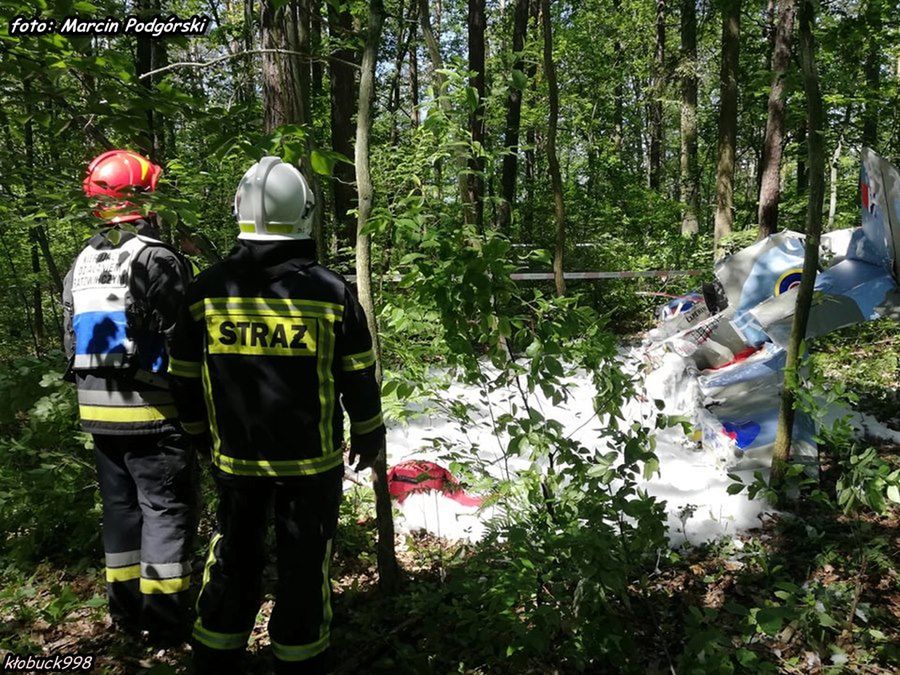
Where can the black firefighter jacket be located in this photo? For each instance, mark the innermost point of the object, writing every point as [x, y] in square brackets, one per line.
[269, 346]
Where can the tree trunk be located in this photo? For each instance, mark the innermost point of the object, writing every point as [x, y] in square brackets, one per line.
[833, 182]
[394, 91]
[802, 174]
[619, 90]
[341, 75]
[656, 93]
[414, 81]
[833, 177]
[303, 25]
[529, 156]
[773, 145]
[437, 65]
[26, 307]
[37, 233]
[816, 144]
[768, 36]
[248, 90]
[476, 117]
[14, 273]
[530, 172]
[689, 192]
[513, 118]
[30, 205]
[317, 67]
[150, 54]
[388, 570]
[282, 73]
[559, 206]
[872, 74]
[727, 141]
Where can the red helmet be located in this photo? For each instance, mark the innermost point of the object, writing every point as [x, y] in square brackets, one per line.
[116, 173]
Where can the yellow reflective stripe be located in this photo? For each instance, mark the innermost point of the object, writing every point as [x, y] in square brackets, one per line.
[272, 303]
[195, 428]
[366, 426]
[102, 413]
[123, 573]
[326, 387]
[210, 406]
[210, 638]
[280, 228]
[271, 228]
[196, 310]
[358, 361]
[300, 652]
[289, 467]
[276, 307]
[207, 571]
[210, 560]
[221, 641]
[183, 368]
[176, 585]
[326, 591]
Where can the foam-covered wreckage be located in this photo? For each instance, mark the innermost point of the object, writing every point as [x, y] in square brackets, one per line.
[734, 340]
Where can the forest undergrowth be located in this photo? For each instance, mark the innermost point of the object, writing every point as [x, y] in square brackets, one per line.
[813, 589]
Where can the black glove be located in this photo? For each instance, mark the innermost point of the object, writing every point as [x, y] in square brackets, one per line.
[366, 450]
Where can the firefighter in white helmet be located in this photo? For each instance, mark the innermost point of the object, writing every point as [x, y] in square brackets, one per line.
[271, 348]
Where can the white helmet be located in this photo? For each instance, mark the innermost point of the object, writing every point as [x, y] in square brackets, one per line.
[273, 202]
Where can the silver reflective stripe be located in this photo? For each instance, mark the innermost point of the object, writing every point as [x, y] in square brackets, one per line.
[115, 360]
[165, 570]
[124, 398]
[123, 559]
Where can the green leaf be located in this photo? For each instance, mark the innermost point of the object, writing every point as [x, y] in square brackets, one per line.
[321, 162]
[826, 620]
[770, 619]
[893, 493]
[519, 80]
[746, 658]
[471, 99]
[651, 466]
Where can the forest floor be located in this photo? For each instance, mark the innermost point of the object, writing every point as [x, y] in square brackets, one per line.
[840, 574]
[62, 610]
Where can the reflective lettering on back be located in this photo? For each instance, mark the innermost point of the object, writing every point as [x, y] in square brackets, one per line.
[236, 332]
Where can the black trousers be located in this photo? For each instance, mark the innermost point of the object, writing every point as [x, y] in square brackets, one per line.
[305, 514]
[149, 490]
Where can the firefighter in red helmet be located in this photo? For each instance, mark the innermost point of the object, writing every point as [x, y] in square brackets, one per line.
[121, 298]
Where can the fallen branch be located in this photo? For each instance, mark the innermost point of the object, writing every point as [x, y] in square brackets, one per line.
[230, 57]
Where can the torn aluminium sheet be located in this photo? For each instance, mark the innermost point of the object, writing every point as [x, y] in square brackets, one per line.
[766, 269]
[861, 283]
[741, 432]
[739, 386]
[879, 184]
[851, 292]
